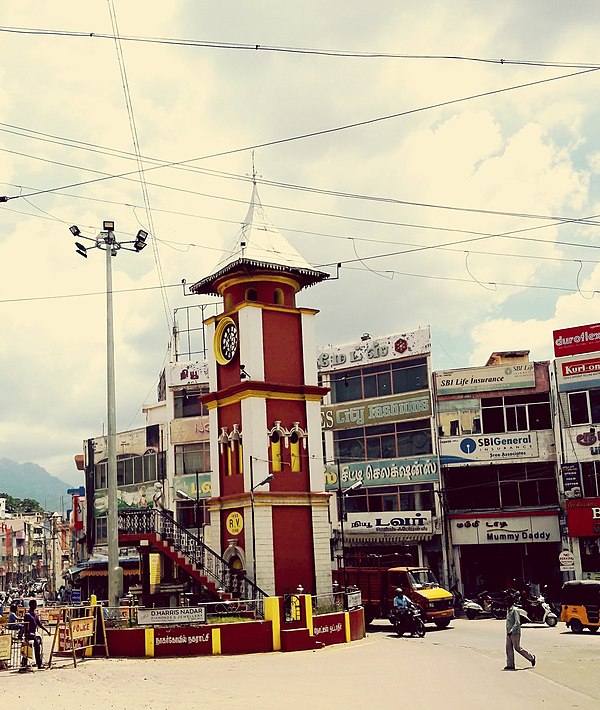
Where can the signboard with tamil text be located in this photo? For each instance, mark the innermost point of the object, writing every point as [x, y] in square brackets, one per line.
[387, 472]
[374, 350]
[398, 521]
[499, 529]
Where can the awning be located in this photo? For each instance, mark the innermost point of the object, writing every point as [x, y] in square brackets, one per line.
[388, 539]
[104, 572]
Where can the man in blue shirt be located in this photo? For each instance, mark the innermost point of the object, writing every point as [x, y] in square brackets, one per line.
[32, 621]
[401, 601]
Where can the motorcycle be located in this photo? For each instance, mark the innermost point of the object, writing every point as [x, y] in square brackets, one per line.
[484, 604]
[536, 611]
[407, 620]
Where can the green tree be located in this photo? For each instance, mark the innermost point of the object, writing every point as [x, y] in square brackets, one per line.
[18, 505]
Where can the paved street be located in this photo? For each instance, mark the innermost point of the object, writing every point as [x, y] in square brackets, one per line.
[460, 667]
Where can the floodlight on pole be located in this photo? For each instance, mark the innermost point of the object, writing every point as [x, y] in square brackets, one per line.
[106, 241]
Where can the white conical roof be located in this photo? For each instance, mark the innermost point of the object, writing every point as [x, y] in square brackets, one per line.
[260, 245]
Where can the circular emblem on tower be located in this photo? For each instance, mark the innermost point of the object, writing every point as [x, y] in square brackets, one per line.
[226, 341]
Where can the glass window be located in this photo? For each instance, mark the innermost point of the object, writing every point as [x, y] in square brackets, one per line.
[101, 529]
[186, 403]
[493, 420]
[150, 467]
[595, 406]
[590, 476]
[379, 380]
[578, 408]
[192, 458]
[101, 476]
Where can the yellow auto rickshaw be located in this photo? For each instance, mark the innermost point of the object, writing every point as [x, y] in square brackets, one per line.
[580, 605]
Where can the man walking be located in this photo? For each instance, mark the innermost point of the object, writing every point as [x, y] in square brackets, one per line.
[513, 636]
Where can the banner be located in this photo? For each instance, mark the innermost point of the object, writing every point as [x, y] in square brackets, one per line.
[580, 339]
[485, 379]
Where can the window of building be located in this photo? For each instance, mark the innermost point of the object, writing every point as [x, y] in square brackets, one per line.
[101, 529]
[584, 407]
[390, 498]
[278, 297]
[251, 295]
[132, 470]
[192, 458]
[458, 417]
[385, 441]
[379, 380]
[590, 478]
[518, 413]
[187, 404]
[507, 487]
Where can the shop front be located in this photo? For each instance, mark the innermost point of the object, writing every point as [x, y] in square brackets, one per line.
[583, 521]
[494, 552]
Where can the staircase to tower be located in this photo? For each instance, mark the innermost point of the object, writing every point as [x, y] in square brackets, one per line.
[158, 530]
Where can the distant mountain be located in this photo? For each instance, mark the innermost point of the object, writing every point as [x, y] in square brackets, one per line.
[28, 480]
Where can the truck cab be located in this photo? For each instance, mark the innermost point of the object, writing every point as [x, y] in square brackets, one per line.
[421, 587]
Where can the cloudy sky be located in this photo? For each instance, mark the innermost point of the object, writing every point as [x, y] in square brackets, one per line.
[457, 190]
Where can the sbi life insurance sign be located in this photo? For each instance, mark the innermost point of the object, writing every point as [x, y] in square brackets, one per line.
[484, 448]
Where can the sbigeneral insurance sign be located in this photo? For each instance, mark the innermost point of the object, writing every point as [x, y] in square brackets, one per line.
[485, 379]
[489, 447]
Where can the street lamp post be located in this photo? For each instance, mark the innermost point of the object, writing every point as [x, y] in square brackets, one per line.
[252, 487]
[107, 242]
[342, 494]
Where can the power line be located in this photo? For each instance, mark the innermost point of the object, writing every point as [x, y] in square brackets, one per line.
[312, 134]
[341, 53]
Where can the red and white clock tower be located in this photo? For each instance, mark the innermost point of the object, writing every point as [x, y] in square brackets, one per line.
[269, 511]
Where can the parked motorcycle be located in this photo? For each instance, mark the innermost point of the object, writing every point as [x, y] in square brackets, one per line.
[484, 604]
[407, 620]
[536, 611]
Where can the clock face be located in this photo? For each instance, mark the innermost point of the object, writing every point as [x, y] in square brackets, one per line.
[226, 341]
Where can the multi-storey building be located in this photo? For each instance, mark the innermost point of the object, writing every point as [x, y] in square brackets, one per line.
[498, 458]
[577, 378]
[377, 425]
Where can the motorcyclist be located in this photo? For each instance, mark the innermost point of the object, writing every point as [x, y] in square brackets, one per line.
[31, 622]
[401, 601]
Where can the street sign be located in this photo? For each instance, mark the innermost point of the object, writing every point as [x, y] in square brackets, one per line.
[566, 560]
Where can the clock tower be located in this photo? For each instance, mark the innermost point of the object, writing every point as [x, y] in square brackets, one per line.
[269, 511]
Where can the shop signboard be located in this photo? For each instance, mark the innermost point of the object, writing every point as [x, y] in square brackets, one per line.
[189, 429]
[184, 641]
[387, 472]
[397, 521]
[373, 350]
[577, 340]
[187, 373]
[485, 379]
[566, 560]
[486, 448]
[172, 615]
[583, 517]
[369, 412]
[488, 529]
[584, 442]
[571, 476]
[578, 373]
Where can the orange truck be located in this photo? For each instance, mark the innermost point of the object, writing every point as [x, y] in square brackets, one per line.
[378, 588]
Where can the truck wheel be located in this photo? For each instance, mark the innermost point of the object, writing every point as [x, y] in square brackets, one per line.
[576, 626]
[442, 623]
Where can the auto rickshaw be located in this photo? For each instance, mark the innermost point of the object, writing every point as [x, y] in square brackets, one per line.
[580, 605]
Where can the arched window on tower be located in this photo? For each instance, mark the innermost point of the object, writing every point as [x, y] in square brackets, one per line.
[228, 302]
[251, 294]
[278, 297]
[276, 435]
[297, 437]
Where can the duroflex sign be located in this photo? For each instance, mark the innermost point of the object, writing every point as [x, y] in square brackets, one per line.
[576, 340]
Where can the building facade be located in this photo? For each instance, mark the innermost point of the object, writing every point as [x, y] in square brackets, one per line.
[498, 459]
[381, 461]
[577, 380]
